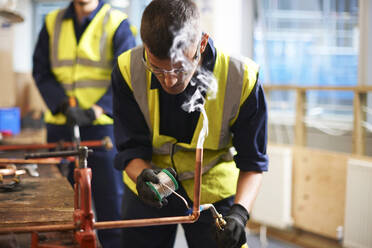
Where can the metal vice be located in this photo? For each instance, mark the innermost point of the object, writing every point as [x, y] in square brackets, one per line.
[83, 214]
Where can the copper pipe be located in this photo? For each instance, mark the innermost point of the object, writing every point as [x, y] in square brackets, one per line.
[7, 170]
[31, 161]
[198, 178]
[106, 143]
[11, 172]
[145, 222]
[165, 220]
[45, 228]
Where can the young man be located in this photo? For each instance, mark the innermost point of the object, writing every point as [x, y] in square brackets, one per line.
[73, 58]
[151, 84]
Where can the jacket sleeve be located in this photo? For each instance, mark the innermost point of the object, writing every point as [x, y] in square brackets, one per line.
[123, 41]
[250, 132]
[50, 89]
[132, 136]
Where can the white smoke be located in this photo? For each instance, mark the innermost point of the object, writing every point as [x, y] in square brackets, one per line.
[206, 85]
[183, 40]
[205, 82]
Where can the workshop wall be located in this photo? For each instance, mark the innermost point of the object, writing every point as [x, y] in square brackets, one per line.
[7, 85]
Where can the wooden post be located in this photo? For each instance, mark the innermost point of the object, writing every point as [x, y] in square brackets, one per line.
[359, 134]
[300, 127]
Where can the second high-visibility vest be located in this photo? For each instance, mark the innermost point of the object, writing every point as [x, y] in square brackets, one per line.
[83, 68]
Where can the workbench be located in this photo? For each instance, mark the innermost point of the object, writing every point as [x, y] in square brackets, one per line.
[44, 200]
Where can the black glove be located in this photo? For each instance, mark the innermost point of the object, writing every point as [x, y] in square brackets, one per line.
[62, 107]
[233, 234]
[145, 193]
[80, 117]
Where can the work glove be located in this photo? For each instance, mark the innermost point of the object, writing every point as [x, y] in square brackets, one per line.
[233, 234]
[145, 192]
[80, 117]
[62, 107]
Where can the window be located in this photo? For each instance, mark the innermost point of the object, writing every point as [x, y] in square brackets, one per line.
[309, 43]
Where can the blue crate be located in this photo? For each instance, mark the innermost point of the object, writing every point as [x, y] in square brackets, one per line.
[10, 120]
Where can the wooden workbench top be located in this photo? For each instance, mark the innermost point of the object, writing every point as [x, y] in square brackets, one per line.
[43, 200]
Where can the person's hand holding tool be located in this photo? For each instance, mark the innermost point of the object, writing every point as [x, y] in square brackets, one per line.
[146, 190]
[78, 116]
[233, 235]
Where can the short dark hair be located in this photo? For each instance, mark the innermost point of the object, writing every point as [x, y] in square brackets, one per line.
[163, 19]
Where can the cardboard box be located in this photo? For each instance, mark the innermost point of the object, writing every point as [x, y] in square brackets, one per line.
[28, 97]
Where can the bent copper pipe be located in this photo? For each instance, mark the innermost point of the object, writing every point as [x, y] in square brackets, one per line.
[138, 222]
[10, 170]
[44, 228]
[33, 161]
[105, 142]
[146, 222]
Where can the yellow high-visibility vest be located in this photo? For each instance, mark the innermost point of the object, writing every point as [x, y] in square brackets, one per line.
[84, 68]
[236, 78]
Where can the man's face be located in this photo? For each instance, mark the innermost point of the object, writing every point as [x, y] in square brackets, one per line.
[174, 78]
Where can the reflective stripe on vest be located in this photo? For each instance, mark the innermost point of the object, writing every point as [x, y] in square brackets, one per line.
[138, 75]
[170, 149]
[232, 98]
[87, 84]
[225, 157]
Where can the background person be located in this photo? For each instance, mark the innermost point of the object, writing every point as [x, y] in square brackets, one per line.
[73, 58]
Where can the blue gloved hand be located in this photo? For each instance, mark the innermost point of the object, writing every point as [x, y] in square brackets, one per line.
[145, 193]
[233, 234]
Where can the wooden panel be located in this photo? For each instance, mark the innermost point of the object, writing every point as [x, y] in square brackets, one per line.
[28, 96]
[300, 128]
[319, 186]
[359, 134]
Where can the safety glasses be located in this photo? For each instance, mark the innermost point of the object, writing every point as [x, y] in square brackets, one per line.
[175, 71]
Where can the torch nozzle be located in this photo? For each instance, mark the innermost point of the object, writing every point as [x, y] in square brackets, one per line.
[220, 222]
